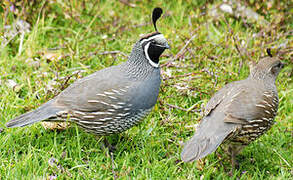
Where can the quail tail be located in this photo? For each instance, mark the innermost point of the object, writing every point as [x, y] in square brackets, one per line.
[45, 111]
[205, 141]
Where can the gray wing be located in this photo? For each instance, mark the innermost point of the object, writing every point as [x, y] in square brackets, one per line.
[251, 103]
[219, 96]
[211, 131]
[208, 136]
[96, 91]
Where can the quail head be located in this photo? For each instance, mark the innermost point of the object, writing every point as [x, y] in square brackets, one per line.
[238, 113]
[113, 99]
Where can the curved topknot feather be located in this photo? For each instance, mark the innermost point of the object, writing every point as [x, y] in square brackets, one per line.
[157, 12]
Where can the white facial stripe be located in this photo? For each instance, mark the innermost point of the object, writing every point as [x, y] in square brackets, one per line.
[146, 47]
[153, 37]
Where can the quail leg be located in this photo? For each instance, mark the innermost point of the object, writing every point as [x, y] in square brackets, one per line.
[106, 145]
[111, 147]
[234, 161]
[234, 150]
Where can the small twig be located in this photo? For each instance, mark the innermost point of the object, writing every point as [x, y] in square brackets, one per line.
[170, 63]
[286, 162]
[191, 53]
[179, 76]
[180, 66]
[175, 107]
[239, 51]
[126, 2]
[21, 43]
[285, 51]
[183, 48]
[180, 108]
[103, 53]
[67, 79]
[216, 80]
[141, 25]
[236, 46]
[113, 52]
[8, 41]
[213, 74]
[240, 66]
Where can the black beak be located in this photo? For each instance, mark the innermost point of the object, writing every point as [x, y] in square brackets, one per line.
[167, 46]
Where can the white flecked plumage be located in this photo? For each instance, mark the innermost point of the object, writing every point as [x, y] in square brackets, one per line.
[110, 100]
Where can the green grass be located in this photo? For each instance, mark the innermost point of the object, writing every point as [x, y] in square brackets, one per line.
[80, 32]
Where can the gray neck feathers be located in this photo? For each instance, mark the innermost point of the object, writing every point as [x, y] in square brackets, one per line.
[137, 66]
[266, 78]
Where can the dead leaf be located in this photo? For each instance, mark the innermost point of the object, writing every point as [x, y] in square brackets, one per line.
[13, 85]
[56, 125]
[126, 2]
[52, 56]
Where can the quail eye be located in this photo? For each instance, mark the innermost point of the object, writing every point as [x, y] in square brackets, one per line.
[279, 65]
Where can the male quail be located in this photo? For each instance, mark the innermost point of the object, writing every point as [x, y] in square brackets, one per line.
[113, 99]
[238, 113]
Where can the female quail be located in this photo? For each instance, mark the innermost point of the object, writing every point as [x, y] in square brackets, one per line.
[111, 100]
[238, 113]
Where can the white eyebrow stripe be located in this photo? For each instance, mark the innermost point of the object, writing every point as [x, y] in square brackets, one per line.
[153, 37]
[146, 47]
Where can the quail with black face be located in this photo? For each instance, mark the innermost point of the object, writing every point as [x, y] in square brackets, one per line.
[111, 100]
[238, 113]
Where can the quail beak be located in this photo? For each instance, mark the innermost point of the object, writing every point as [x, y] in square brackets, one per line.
[166, 45]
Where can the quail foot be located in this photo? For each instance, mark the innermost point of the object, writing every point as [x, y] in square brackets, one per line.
[238, 113]
[113, 99]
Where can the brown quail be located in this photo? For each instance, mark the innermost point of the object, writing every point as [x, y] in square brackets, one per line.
[238, 113]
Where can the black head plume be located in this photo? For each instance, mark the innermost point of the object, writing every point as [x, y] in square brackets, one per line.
[157, 12]
[269, 52]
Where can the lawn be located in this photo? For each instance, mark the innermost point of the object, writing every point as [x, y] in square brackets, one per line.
[58, 42]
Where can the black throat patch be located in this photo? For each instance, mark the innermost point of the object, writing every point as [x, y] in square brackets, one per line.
[155, 52]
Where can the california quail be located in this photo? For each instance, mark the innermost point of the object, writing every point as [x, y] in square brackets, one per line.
[113, 99]
[238, 113]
